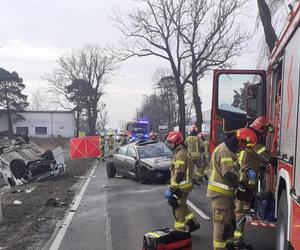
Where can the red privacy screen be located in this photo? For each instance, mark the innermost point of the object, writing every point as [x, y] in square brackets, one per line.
[85, 147]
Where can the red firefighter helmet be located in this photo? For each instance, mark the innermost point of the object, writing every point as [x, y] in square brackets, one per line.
[175, 137]
[247, 136]
[262, 124]
[194, 129]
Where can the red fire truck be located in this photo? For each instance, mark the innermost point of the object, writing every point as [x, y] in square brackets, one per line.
[240, 96]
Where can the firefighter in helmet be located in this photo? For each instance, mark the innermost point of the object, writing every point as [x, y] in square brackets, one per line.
[195, 148]
[110, 143]
[251, 161]
[204, 158]
[102, 146]
[224, 185]
[180, 184]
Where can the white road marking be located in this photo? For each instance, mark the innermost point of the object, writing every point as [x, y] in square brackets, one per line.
[197, 210]
[108, 234]
[61, 233]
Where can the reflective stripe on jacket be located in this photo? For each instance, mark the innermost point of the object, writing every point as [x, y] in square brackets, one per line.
[180, 165]
[253, 158]
[222, 162]
[193, 145]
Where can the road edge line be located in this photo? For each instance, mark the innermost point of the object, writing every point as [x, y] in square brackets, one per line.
[64, 227]
[197, 210]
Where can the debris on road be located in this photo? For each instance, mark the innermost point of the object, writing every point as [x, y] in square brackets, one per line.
[27, 191]
[17, 202]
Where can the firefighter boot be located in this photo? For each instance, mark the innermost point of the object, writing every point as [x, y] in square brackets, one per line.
[191, 222]
[193, 226]
[243, 247]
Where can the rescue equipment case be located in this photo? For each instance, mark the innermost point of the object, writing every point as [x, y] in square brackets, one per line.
[167, 239]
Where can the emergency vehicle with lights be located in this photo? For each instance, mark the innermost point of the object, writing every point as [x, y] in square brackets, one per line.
[240, 96]
[138, 130]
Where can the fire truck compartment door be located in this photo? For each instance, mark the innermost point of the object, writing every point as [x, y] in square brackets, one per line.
[289, 146]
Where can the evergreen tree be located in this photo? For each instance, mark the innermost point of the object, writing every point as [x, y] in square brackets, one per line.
[11, 97]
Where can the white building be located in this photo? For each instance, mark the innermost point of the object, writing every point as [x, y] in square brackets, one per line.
[42, 123]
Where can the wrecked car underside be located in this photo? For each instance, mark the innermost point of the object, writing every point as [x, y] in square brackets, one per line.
[22, 161]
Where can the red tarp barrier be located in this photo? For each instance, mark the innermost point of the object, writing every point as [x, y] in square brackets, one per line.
[85, 147]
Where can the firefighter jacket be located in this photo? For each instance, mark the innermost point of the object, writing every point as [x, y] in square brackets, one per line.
[180, 168]
[195, 147]
[252, 159]
[222, 161]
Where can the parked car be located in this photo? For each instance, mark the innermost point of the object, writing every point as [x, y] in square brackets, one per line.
[148, 161]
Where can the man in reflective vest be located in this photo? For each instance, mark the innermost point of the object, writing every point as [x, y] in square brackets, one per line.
[223, 185]
[180, 184]
[204, 158]
[102, 146]
[250, 160]
[194, 146]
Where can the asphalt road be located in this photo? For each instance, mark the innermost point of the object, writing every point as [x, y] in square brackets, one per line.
[114, 214]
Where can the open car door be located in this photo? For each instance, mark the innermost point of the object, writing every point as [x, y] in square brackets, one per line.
[238, 99]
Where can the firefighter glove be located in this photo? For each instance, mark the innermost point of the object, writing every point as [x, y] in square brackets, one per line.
[252, 176]
[172, 201]
[241, 192]
[168, 194]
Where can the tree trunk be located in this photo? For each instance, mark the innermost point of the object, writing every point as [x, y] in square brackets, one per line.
[10, 127]
[93, 119]
[77, 122]
[265, 17]
[181, 102]
[197, 103]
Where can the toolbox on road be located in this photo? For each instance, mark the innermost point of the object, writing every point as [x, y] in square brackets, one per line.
[167, 239]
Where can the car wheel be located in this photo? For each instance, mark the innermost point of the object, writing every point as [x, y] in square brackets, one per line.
[17, 167]
[110, 170]
[48, 155]
[137, 171]
[144, 175]
[11, 181]
[282, 219]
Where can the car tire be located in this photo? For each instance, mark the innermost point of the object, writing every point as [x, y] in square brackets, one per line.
[48, 155]
[144, 176]
[110, 170]
[137, 171]
[11, 181]
[282, 223]
[17, 167]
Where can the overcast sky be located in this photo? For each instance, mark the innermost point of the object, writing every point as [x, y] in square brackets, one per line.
[34, 33]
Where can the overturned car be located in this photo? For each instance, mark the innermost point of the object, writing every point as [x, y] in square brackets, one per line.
[23, 161]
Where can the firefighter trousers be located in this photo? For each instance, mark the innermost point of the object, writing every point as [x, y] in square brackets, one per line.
[223, 222]
[241, 209]
[192, 164]
[183, 216]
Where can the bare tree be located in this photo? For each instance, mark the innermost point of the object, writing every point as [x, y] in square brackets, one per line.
[153, 33]
[39, 101]
[212, 37]
[103, 116]
[192, 35]
[167, 90]
[91, 65]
